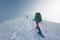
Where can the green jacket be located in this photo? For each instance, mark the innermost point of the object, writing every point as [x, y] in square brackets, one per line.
[36, 18]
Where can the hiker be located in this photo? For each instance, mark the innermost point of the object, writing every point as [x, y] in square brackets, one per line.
[37, 20]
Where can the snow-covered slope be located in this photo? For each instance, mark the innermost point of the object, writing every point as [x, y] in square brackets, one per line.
[24, 29]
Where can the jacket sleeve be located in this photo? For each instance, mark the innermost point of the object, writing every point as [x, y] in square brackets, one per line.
[34, 18]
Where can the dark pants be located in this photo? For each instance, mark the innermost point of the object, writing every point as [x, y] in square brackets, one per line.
[40, 31]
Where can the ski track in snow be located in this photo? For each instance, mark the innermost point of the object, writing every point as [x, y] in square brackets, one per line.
[24, 29]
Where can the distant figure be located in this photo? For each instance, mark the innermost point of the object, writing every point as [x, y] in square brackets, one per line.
[27, 16]
[37, 20]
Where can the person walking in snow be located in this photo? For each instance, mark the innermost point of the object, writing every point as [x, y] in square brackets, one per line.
[37, 20]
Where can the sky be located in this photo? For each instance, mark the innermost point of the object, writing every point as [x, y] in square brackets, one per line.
[49, 9]
[10, 9]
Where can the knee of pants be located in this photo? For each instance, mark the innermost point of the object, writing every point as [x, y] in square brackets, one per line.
[37, 23]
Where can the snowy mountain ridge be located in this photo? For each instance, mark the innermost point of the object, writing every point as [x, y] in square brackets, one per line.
[24, 29]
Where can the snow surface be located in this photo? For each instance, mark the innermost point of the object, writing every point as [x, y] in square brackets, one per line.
[24, 29]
